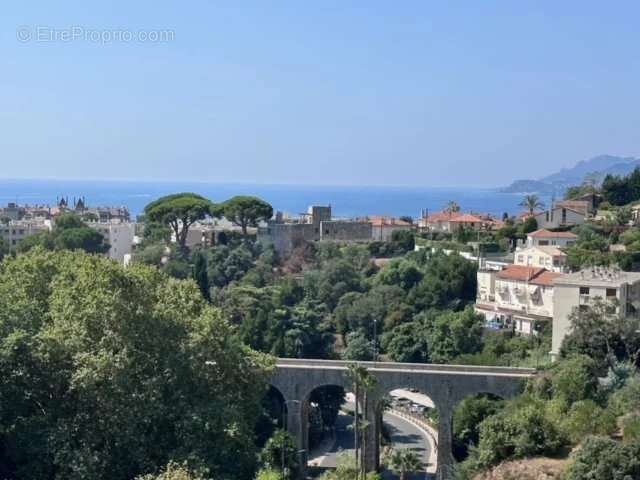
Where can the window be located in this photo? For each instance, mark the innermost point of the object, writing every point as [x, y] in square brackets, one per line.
[612, 293]
[584, 290]
[520, 258]
[543, 243]
[541, 260]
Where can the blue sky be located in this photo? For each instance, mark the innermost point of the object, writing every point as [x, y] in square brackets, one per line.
[325, 92]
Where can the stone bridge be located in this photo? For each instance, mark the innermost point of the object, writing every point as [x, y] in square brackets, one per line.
[446, 385]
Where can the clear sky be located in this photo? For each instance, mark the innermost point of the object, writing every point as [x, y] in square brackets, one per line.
[316, 92]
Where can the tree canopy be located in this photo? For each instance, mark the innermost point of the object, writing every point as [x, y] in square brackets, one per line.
[179, 211]
[246, 211]
[109, 373]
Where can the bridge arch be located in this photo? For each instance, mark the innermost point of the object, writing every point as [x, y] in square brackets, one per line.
[447, 385]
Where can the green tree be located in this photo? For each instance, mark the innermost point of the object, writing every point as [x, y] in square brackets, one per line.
[603, 335]
[407, 343]
[108, 373]
[358, 347]
[586, 417]
[452, 207]
[69, 233]
[280, 453]
[246, 211]
[467, 418]
[4, 248]
[605, 459]
[179, 211]
[574, 379]
[403, 462]
[173, 471]
[454, 333]
[531, 203]
[199, 273]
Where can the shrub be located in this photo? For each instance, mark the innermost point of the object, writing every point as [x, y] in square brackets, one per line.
[604, 459]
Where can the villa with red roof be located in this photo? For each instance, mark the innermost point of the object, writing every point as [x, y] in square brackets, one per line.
[518, 297]
[451, 222]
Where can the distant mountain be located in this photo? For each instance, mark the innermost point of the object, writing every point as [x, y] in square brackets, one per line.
[556, 183]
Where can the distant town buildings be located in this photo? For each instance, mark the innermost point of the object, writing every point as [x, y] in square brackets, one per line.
[15, 231]
[18, 222]
[450, 222]
[316, 225]
[559, 217]
[382, 228]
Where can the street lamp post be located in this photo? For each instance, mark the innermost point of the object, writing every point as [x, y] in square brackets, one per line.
[375, 339]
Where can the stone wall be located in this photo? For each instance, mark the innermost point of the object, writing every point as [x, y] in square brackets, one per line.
[345, 231]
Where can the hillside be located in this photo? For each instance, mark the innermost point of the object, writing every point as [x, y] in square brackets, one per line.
[527, 469]
[595, 168]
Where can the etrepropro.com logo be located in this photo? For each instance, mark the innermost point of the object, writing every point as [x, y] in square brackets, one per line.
[102, 36]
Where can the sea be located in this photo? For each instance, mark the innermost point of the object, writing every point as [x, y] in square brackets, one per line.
[346, 201]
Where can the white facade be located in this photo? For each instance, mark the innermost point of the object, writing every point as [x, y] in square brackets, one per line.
[16, 231]
[577, 291]
[119, 235]
[551, 258]
[558, 217]
[516, 297]
[544, 238]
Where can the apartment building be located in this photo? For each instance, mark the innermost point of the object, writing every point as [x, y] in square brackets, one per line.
[517, 297]
[16, 231]
[578, 290]
[119, 235]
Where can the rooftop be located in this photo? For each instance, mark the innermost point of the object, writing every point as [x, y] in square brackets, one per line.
[379, 221]
[533, 275]
[599, 277]
[544, 233]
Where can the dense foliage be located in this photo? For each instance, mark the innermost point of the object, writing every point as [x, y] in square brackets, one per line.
[109, 373]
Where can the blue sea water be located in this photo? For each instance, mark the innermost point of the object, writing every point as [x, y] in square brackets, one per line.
[347, 201]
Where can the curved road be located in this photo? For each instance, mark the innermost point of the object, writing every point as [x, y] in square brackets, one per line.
[403, 435]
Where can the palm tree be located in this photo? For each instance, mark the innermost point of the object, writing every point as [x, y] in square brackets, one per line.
[531, 203]
[404, 461]
[452, 207]
[363, 382]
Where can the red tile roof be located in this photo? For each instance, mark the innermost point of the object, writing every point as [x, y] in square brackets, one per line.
[379, 221]
[544, 233]
[467, 218]
[443, 216]
[533, 275]
[546, 278]
[519, 272]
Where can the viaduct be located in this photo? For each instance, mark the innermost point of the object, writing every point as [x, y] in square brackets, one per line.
[446, 385]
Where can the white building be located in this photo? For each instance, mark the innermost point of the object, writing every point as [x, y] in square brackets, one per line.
[578, 290]
[551, 258]
[558, 217]
[517, 297]
[544, 237]
[16, 231]
[117, 234]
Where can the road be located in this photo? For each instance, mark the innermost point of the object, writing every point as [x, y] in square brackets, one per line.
[403, 435]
